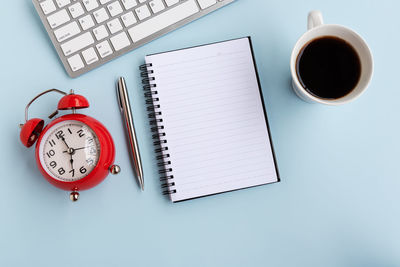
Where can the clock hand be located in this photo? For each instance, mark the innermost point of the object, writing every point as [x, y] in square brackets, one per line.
[83, 147]
[66, 151]
[63, 139]
[70, 151]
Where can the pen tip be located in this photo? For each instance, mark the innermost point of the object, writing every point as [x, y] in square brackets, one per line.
[141, 180]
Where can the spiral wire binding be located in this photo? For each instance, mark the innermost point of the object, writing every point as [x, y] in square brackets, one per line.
[159, 137]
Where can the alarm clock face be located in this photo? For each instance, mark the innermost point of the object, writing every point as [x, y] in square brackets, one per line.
[69, 151]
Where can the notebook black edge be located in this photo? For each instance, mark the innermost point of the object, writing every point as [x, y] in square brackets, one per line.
[265, 110]
[265, 117]
[219, 193]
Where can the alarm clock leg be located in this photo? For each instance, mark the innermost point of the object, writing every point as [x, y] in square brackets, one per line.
[115, 169]
[74, 196]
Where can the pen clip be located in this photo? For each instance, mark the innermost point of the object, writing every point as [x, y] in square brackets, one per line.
[119, 88]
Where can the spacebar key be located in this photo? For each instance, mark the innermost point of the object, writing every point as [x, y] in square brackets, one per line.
[163, 20]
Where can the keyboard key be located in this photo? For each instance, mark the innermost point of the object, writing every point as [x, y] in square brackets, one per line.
[58, 18]
[104, 1]
[67, 31]
[48, 6]
[128, 19]
[76, 62]
[114, 26]
[206, 3]
[101, 15]
[90, 4]
[115, 8]
[90, 56]
[120, 41]
[142, 1]
[163, 20]
[171, 2]
[156, 6]
[142, 12]
[77, 43]
[100, 32]
[62, 3]
[76, 10]
[128, 4]
[86, 22]
[104, 49]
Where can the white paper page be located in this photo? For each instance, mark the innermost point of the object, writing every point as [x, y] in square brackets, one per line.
[213, 119]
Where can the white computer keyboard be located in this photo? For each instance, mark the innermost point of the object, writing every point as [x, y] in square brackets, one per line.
[89, 33]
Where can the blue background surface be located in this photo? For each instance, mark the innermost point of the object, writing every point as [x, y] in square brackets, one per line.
[337, 204]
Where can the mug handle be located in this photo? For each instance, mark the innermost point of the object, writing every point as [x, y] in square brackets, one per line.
[315, 19]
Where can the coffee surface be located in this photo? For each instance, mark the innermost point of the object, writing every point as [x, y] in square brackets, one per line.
[329, 67]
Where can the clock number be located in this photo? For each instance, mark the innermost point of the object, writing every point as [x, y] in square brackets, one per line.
[53, 164]
[90, 162]
[82, 170]
[92, 151]
[73, 172]
[52, 143]
[80, 133]
[69, 130]
[61, 171]
[60, 134]
[89, 140]
[51, 153]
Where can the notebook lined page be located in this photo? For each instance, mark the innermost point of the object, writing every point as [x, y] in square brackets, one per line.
[213, 118]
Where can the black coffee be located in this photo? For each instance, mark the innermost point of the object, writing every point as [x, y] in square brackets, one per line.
[328, 67]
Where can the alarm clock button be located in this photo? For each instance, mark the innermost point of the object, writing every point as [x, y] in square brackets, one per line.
[73, 101]
[30, 131]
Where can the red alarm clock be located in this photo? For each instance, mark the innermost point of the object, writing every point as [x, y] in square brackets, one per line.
[73, 152]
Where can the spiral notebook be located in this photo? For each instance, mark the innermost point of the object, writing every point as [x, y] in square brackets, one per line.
[209, 121]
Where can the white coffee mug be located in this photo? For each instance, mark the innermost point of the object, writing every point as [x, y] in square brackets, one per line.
[317, 29]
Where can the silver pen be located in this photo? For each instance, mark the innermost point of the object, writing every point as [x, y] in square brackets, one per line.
[125, 106]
